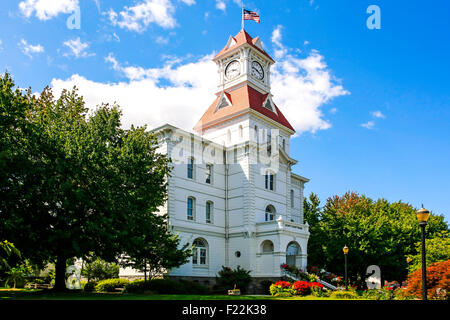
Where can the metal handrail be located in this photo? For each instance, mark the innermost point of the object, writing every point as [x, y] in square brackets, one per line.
[325, 284]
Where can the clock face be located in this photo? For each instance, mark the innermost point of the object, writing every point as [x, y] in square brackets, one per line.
[257, 70]
[233, 69]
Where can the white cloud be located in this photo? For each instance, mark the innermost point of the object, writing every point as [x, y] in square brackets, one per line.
[29, 49]
[368, 125]
[162, 40]
[47, 9]
[139, 17]
[1, 45]
[280, 50]
[378, 114]
[221, 5]
[179, 92]
[333, 110]
[175, 93]
[77, 48]
[301, 86]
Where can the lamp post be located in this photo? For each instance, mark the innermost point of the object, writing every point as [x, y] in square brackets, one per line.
[423, 215]
[345, 249]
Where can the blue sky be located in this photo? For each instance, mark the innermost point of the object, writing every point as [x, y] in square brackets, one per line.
[371, 107]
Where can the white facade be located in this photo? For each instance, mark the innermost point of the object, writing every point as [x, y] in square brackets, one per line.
[221, 194]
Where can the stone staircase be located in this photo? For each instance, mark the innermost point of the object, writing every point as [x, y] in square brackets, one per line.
[293, 277]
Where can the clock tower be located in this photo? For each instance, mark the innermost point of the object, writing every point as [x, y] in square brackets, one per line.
[243, 59]
[243, 98]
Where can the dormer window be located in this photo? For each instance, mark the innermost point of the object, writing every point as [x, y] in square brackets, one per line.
[223, 103]
[268, 105]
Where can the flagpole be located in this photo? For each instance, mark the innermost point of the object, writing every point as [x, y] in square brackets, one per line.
[242, 26]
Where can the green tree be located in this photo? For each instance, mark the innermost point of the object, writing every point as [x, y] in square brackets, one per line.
[376, 232]
[18, 273]
[98, 269]
[72, 182]
[437, 250]
[312, 215]
[155, 252]
[7, 249]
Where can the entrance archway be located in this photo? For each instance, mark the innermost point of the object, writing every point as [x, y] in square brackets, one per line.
[293, 254]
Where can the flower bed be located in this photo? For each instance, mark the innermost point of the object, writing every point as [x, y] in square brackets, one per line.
[298, 288]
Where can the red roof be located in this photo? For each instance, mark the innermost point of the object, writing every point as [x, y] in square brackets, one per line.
[243, 99]
[241, 38]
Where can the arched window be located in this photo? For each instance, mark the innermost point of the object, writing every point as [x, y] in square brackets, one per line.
[284, 144]
[190, 168]
[191, 208]
[209, 211]
[270, 180]
[256, 134]
[267, 246]
[200, 252]
[270, 213]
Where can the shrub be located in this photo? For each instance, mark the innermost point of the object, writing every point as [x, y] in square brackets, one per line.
[283, 294]
[279, 287]
[109, 285]
[301, 288]
[136, 286]
[228, 278]
[378, 294]
[337, 295]
[193, 287]
[89, 286]
[265, 286]
[166, 286]
[438, 281]
[319, 292]
[99, 269]
[401, 294]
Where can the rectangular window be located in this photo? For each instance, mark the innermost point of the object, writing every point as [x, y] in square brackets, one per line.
[190, 209]
[269, 179]
[208, 211]
[195, 256]
[209, 171]
[292, 198]
[202, 256]
[190, 168]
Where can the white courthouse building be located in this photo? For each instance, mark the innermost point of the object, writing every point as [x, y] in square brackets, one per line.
[232, 192]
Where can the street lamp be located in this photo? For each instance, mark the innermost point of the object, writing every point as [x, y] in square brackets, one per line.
[345, 249]
[423, 215]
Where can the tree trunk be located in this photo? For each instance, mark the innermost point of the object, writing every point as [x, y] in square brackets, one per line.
[60, 273]
[145, 270]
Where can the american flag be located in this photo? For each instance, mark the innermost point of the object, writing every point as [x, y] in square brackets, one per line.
[251, 15]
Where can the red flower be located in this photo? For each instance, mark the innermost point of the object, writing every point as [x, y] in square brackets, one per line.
[301, 287]
[284, 265]
[316, 284]
[283, 284]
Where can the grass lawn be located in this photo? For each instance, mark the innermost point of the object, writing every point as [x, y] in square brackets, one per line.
[37, 294]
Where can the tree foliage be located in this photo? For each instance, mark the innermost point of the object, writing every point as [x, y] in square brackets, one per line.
[438, 281]
[376, 232]
[98, 269]
[74, 183]
[437, 249]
